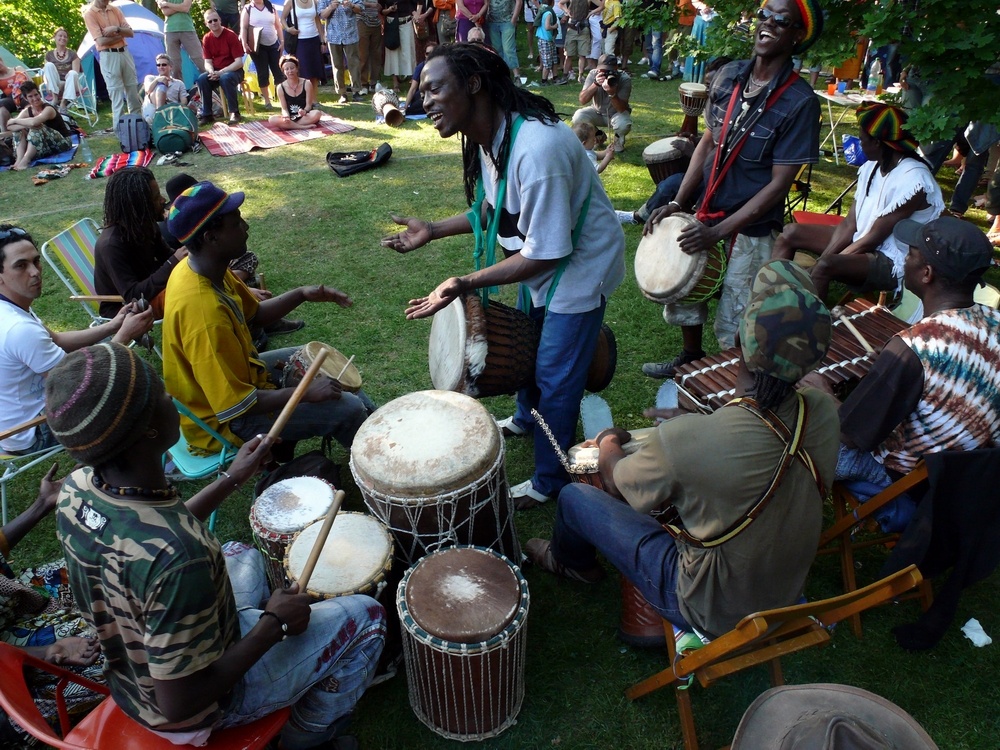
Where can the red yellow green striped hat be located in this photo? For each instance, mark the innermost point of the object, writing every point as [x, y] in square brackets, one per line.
[887, 124]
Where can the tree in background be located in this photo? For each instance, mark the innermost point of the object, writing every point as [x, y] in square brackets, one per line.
[951, 44]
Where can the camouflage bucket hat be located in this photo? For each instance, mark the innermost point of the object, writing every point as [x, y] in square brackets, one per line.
[786, 328]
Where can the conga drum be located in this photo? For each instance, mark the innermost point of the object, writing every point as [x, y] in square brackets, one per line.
[667, 156]
[299, 362]
[281, 511]
[693, 99]
[482, 351]
[355, 558]
[430, 466]
[464, 613]
[667, 274]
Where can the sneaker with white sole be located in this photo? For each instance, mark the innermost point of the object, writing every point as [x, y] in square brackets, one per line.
[626, 217]
[525, 496]
[510, 428]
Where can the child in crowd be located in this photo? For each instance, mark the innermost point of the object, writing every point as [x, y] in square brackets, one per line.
[548, 30]
[587, 134]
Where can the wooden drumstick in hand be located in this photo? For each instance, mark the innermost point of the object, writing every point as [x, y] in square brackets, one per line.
[300, 391]
[324, 532]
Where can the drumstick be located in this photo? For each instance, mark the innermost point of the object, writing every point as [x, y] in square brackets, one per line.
[97, 298]
[324, 532]
[300, 391]
[345, 367]
[856, 333]
[22, 427]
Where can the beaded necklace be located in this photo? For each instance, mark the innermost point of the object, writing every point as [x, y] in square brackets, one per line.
[167, 493]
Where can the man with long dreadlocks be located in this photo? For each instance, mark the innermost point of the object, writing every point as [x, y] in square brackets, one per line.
[534, 193]
[131, 259]
[746, 483]
[763, 125]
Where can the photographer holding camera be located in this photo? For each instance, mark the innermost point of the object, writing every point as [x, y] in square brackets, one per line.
[607, 91]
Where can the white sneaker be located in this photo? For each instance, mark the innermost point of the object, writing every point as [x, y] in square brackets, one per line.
[364, 91]
[651, 75]
[619, 144]
[644, 61]
[525, 496]
[626, 217]
[510, 428]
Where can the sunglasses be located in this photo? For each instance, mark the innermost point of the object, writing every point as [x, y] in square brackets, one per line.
[214, 20]
[780, 20]
[12, 232]
[162, 65]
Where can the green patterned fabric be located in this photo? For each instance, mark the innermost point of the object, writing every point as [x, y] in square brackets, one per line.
[151, 579]
[786, 328]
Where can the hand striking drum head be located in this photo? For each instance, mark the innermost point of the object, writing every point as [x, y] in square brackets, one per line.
[666, 273]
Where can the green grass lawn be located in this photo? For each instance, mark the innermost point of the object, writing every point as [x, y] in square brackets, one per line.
[308, 226]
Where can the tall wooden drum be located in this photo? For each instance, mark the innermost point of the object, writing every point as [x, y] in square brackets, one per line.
[430, 466]
[464, 613]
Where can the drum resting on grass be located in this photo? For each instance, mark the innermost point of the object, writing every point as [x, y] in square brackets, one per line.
[464, 614]
[430, 466]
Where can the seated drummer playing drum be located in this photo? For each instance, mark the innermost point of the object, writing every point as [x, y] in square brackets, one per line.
[709, 570]
[895, 184]
[209, 361]
[763, 125]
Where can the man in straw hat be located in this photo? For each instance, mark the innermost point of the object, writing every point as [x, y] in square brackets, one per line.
[193, 639]
[894, 184]
[763, 125]
[935, 386]
[745, 531]
[209, 361]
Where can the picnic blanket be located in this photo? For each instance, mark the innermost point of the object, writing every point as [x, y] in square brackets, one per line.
[228, 140]
[61, 158]
[111, 164]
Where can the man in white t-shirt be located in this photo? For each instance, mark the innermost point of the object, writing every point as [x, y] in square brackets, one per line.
[28, 350]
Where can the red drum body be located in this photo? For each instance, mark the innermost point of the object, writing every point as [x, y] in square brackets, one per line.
[430, 466]
[464, 614]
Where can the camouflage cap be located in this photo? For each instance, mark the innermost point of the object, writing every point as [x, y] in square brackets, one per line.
[786, 328]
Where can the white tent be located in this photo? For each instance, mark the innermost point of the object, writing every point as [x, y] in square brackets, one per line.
[144, 46]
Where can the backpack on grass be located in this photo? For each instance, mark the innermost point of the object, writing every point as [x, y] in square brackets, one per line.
[174, 129]
[133, 133]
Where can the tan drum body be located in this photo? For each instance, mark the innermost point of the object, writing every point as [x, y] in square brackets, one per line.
[355, 558]
[464, 614]
[304, 356]
[430, 466]
[281, 511]
[664, 272]
[482, 351]
[667, 156]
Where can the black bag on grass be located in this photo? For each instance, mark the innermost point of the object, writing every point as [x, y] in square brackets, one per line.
[346, 163]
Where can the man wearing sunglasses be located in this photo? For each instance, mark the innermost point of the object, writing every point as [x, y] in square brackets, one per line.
[763, 124]
[223, 67]
[162, 88]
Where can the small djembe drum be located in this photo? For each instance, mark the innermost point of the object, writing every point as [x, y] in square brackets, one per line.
[667, 156]
[385, 102]
[693, 99]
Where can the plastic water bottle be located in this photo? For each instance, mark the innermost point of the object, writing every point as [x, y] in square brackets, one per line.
[873, 78]
[85, 152]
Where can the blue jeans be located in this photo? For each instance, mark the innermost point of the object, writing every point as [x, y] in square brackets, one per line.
[666, 191]
[656, 51]
[975, 165]
[321, 673]
[229, 82]
[565, 351]
[865, 477]
[589, 521]
[43, 439]
[501, 37]
[340, 419]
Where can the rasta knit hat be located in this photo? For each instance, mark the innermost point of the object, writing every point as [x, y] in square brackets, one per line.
[812, 22]
[887, 124]
[786, 328]
[99, 399]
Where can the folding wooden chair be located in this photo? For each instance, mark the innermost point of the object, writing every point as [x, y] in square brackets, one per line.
[14, 465]
[763, 638]
[854, 528]
[106, 726]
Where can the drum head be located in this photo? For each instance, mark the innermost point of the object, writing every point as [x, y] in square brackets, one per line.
[292, 504]
[666, 149]
[693, 89]
[425, 443]
[463, 595]
[586, 456]
[663, 271]
[333, 364]
[446, 351]
[355, 554]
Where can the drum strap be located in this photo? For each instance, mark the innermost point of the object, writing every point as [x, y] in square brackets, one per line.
[793, 450]
[486, 243]
[733, 149]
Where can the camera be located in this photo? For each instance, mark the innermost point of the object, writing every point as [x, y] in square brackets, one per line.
[611, 78]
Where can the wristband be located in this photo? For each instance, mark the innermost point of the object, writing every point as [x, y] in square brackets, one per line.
[675, 203]
[282, 623]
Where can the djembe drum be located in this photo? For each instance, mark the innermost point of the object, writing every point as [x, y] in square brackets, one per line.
[693, 99]
[667, 156]
[464, 613]
[298, 364]
[430, 466]
[385, 102]
[666, 274]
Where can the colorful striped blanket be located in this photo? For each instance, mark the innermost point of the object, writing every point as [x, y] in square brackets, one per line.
[228, 140]
[111, 164]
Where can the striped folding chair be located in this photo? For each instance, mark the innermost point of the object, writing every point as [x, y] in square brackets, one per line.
[70, 254]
